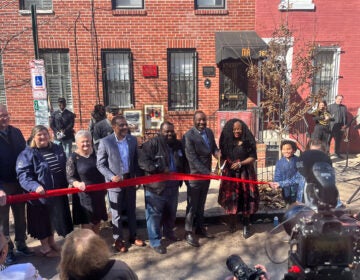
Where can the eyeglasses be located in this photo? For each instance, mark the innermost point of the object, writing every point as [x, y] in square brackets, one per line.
[4, 116]
[121, 124]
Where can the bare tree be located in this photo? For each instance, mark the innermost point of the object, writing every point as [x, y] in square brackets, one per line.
[286, 90]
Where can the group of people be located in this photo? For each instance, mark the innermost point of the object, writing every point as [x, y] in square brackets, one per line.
[107, 152]
[330, 123]
[42, 164]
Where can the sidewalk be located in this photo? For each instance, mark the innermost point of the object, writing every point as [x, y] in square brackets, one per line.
[209, 260]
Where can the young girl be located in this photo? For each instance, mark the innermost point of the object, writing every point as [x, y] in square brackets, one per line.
[286, 175]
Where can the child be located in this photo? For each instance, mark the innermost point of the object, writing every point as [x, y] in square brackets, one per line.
[286, 175]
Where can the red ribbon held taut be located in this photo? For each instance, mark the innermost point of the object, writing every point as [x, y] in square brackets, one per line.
[125, 183]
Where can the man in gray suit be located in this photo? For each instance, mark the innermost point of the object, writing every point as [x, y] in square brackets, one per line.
[199, 145]
[117, 160]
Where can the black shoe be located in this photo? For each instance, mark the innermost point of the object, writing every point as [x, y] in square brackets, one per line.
[191, 239]
[160, 249]
[232, 228]
[202, 232]
[25, 251]
[173, 238]
[10, 258]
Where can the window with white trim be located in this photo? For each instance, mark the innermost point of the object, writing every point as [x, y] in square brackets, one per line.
[40, 4]
[296, 5]
[58, 76]
[182, 76]
[210, 4]
[118, 78]
[128, 4]
[326, 78]
[2, 83]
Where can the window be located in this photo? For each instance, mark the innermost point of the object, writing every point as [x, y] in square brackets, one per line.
[326, 78]
[2, 84]
[182, 76]
[128, 4]
[118, 78]
[40, 4]
[210, 4]
[296, 5]
[58, 76]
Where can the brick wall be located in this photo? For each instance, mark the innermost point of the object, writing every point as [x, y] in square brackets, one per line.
[330, 24]
[148, 33]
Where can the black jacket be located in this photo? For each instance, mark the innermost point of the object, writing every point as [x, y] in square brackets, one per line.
[154, 158]
[10, 147]
[63, 121]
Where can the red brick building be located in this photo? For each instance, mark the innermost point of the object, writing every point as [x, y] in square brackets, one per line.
[330, 24]
[178, 55]
[131, 53]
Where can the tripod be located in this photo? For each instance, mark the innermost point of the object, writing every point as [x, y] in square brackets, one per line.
[352, 196]
[347, 140]
[347, 159]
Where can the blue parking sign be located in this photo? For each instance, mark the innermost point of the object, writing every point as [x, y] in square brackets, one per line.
[38, 81]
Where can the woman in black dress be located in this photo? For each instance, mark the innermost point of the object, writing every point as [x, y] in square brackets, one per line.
[88, 207]
[238, 154]
[41, 167]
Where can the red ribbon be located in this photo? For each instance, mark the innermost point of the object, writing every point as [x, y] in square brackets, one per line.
[125, 183]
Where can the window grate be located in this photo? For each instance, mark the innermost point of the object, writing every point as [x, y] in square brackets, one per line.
[182, 79]
[117, 78]
[326, 78]
[2, 84]
[58, 76]
[40, 4]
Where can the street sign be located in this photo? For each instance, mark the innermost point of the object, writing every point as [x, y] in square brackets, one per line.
[41, 112]
[37, 71]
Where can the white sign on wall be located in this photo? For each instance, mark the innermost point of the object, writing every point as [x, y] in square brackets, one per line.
[37, 71]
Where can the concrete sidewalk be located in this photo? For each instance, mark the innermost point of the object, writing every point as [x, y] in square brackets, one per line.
[208, 261]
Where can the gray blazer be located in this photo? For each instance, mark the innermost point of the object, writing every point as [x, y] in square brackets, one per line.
[109, 161]
[197, 152]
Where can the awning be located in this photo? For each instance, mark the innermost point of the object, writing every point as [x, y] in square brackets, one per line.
[239, 44]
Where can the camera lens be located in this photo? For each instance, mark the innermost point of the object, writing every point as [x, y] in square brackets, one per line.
[235, 264]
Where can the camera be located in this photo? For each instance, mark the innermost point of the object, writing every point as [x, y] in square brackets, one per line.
[324, 244]
[240, 270]
[60, 135]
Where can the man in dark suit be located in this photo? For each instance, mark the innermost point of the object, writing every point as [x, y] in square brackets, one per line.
[62, 123]
[338, 123]
[117, 160]
[199, 145]
[104, 128]
[12, 143]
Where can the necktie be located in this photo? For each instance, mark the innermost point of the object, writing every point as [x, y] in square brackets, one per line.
[206, 139]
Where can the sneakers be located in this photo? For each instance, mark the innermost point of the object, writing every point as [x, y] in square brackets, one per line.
[10, 258]
[25, 251]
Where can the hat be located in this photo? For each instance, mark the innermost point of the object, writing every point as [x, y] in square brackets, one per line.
[61, 100]
[112, 109]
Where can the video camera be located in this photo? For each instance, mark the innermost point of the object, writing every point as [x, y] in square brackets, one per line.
[324, 244]
[324, 241]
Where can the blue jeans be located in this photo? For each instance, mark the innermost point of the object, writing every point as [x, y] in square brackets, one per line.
[67, 145]
[160, 212]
